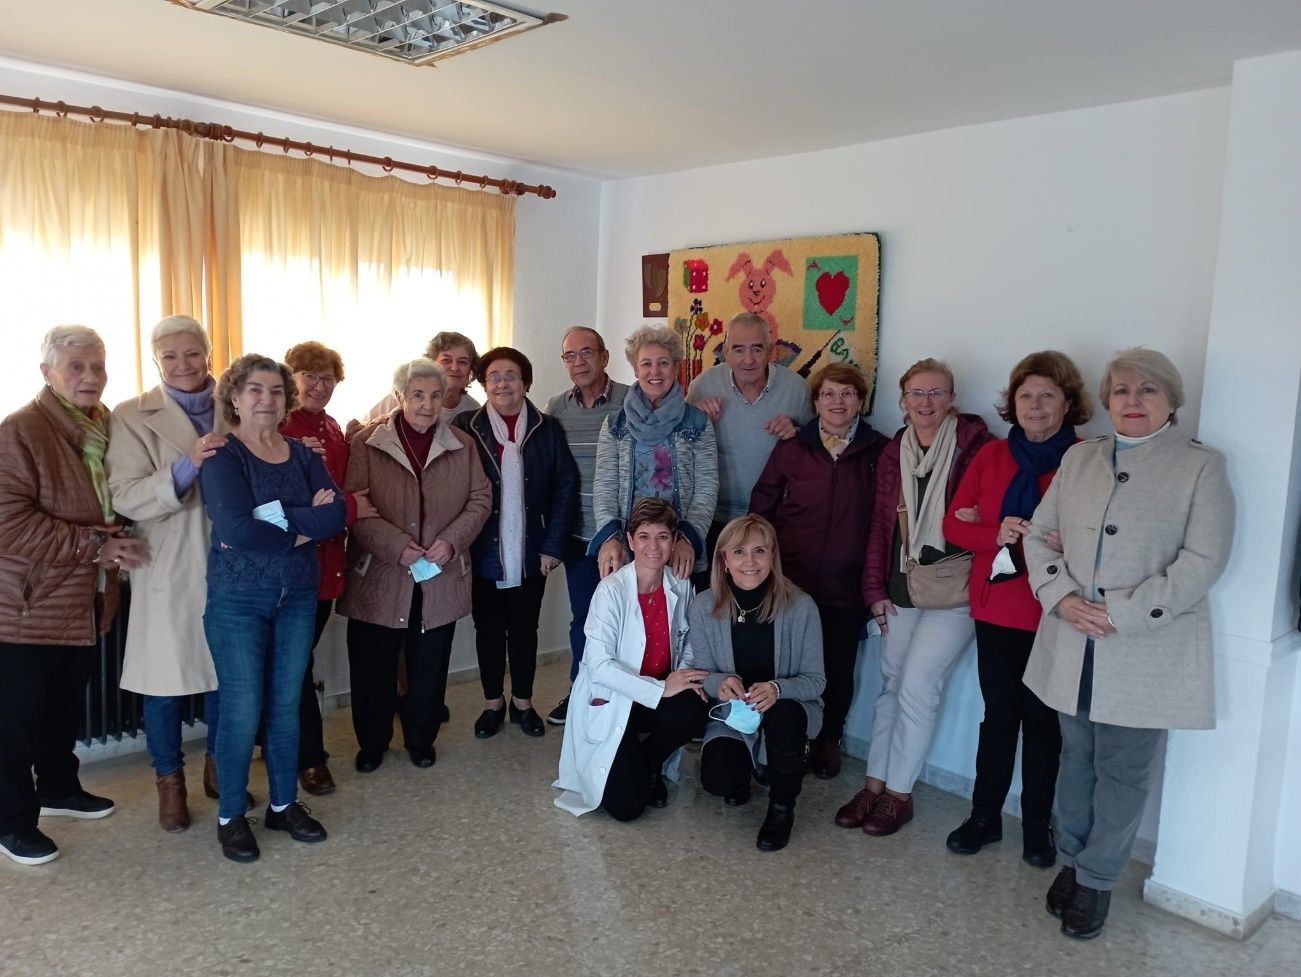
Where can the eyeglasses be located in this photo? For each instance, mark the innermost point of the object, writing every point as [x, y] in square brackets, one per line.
[495, 378]
[933, 394]
[846, 395]
[574, 356]
[312, 379]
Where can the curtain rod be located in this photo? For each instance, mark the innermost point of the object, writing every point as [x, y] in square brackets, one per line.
[225, 133]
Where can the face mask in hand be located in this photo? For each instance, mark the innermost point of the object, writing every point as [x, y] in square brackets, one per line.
[741, 716]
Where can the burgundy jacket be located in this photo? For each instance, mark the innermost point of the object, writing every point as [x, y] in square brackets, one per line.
[972, 436]
[822, 510]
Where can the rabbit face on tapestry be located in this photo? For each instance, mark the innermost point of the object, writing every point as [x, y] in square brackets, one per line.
[758, 287]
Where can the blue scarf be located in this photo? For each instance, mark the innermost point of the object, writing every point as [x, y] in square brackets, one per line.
[652, 426]
[1033, 458]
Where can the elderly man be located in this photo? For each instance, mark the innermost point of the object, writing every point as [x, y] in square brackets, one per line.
[753, 404]
[581, 410]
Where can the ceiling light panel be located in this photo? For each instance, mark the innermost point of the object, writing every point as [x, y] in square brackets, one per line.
[412, 31]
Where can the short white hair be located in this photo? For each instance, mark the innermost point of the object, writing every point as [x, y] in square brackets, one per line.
[176, 324]
[420, 368]
[61, 337]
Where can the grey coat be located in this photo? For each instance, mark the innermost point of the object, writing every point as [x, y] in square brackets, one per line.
[1157, 524]
[797, 648]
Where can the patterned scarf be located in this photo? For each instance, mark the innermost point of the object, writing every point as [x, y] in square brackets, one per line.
[512, 499]
[94, 445]
[652, 425]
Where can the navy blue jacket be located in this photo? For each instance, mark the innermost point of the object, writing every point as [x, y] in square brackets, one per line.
[550, 490]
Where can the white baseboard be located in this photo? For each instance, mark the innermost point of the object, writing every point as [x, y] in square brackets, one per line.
[1287, 904]
[1231, 924]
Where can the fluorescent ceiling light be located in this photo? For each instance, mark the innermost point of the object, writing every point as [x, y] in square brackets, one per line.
[412, 31]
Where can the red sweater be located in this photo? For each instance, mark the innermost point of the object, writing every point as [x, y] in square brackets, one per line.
[1009, 603]
[330, 552]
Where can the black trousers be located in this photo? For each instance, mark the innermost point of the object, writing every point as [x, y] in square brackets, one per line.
[700, 581]
[42, 695]
[506, 624]
[373, 673]
[649, 739]
[726, 765]
[311, 734]
[1011, 708]
[841, 629]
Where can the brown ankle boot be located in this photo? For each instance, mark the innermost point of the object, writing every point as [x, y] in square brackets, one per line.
[173, 816]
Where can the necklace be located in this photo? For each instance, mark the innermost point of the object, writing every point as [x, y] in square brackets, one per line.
[741, 612]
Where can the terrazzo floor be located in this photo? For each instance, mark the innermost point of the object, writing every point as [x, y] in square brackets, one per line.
[467, 868]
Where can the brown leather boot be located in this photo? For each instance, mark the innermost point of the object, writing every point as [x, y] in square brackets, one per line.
[824, 759]
[173, 816]
[210, 783]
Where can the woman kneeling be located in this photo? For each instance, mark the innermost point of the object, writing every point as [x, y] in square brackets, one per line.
[636, 700]
[760, 639]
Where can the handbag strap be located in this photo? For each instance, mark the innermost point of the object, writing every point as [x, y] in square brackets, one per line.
[901, 510]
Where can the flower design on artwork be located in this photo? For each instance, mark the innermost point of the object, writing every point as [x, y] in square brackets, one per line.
[715, 327]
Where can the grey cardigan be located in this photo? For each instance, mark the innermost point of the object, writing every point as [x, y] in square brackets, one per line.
[797, 648]
[1150, 528]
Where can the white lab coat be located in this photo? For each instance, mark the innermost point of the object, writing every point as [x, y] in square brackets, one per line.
[616, 643]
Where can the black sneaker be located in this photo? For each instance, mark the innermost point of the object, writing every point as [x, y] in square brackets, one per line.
[78, 805]
[29, 847]
[237, 841]
[558, 715]
[298, 821]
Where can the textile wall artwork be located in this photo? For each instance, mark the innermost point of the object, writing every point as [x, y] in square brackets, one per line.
[654, 286]
[819, 295]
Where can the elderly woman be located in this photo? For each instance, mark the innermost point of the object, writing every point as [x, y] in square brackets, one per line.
[161, 440]
[656, 446]
[61, 548]
[410, 568]
[317, 371]
[990, 515]
[1122, 551]
[637, 699]
[922, 635]
[759, 639]
[269, 498]
[817, 491]
[534, 511]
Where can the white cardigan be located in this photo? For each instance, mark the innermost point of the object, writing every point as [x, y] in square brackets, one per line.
[610, 671]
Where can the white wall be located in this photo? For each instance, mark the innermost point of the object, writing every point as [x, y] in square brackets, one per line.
[555, 255]
[1086, 231]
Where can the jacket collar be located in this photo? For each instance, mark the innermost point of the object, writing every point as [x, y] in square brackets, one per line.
[49, 404]
[165, 417]
[385, 438]
[480, 428]
[864, 436]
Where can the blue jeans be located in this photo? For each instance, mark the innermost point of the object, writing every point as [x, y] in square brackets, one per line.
[260, 640]
[163, 729]
[582, 574]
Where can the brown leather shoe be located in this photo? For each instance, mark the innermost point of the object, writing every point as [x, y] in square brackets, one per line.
[210, 782]
[856, 809]
[173, 815]
[824, 759]
[316, 780]
[888, 815]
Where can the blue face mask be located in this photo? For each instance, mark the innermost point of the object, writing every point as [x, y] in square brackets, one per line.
[741, 716]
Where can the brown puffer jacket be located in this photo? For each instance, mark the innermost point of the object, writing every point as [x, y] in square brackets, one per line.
[48, 507]
[455, 497]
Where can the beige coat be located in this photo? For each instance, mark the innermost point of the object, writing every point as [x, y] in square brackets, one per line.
[166, 653]
[457, 498]
[1163, 517]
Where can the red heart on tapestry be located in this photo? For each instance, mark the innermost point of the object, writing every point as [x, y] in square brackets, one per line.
[831, 290]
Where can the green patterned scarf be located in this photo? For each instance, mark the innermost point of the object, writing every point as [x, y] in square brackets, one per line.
[94, 445]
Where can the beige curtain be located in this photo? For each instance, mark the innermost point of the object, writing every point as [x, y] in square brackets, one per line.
[116, 227]
[99, 224]
[370, 266]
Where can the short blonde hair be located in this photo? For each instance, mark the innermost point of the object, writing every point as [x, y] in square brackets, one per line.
[929, 365]
[1151, 365]
[420, 368]
[62, 337]
[174, 325]
[645, 336]
[780, 592]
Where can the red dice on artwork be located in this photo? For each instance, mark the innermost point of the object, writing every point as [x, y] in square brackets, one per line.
[695, 275]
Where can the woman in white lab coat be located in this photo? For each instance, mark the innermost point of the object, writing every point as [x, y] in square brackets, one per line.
[636, 700]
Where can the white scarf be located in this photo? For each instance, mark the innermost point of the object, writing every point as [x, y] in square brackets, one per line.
[511, 523]
[926, 522]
